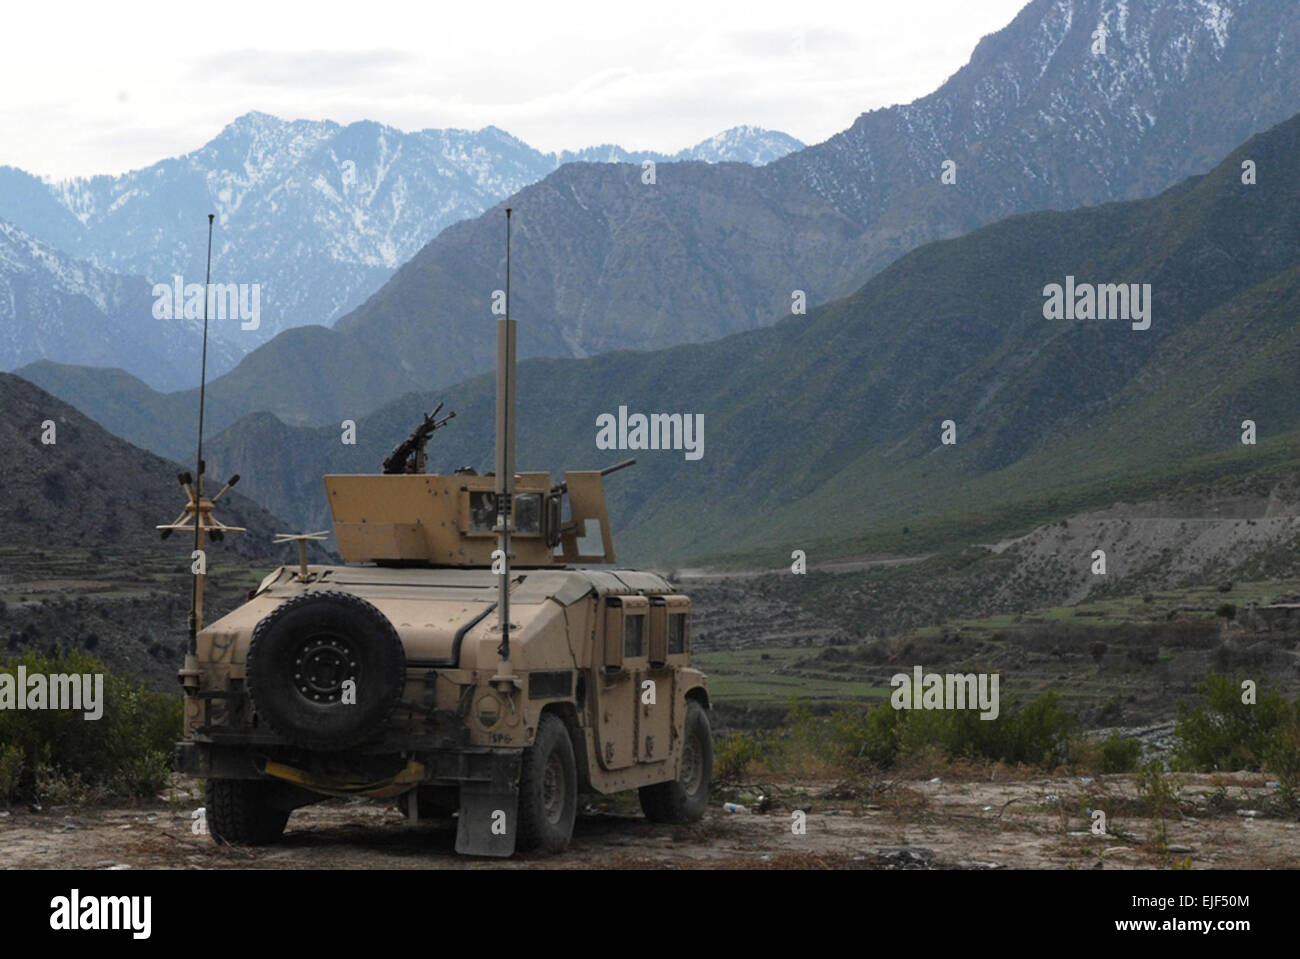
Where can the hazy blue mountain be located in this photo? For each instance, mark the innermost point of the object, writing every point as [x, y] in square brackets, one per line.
[743, 144]
[317, 214]
[52, 305]
[1035, 120]
[604, 261]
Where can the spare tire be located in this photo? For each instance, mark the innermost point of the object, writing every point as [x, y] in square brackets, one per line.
[303, 654]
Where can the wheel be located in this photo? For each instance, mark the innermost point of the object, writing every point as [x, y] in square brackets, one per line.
[239, 812]
[304, 653]
[548, 789]
[685, 798]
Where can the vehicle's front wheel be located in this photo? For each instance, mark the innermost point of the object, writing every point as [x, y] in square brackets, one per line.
[240, 812]
[548, 789]
[685, 798]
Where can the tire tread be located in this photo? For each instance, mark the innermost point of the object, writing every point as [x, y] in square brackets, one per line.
[240, 815]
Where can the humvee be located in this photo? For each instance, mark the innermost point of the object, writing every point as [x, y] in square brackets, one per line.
[467, 665]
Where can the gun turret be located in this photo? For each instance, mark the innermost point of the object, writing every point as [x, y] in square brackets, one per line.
[408, 456]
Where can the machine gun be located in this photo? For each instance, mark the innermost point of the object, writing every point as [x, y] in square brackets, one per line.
[408, 456]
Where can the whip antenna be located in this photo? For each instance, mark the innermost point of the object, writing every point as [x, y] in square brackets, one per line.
[505, 469]
[200, 467]
[198, 511]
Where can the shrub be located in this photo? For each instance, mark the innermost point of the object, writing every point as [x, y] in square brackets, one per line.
[1038, 735]
[1118, 754]
[733, 755]
[880, 736]
[865, 739]
[57, 754]
[1227, 734]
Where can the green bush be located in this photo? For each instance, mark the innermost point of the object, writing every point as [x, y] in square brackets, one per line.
[865, 739]
[878, 737]
[733, 755]
[1227, 735]
[58, 755]
[802, 743]
[1118, 754]
[1040, 734]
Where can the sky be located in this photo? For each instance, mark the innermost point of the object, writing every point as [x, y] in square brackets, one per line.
[90, 88]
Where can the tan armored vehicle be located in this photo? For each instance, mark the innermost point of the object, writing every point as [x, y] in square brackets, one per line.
[466, 667]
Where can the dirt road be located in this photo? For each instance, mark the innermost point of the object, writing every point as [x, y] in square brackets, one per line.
[1228, 822]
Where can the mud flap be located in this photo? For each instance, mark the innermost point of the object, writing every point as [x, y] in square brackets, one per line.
[488, 819]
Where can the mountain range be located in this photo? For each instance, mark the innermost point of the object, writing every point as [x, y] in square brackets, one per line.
[942, 401]
[316, 214]
[1040, 119]
[54, 305]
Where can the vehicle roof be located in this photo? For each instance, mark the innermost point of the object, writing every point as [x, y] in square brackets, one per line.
[565, 586]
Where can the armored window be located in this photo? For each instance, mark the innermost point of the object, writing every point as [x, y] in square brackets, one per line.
[633, 635]
[677, 633]
[482, 511]
[528, 513]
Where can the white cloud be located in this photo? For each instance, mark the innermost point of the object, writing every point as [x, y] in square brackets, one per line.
[104, 89]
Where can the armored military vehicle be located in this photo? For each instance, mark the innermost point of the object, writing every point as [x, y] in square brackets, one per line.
[467, 665]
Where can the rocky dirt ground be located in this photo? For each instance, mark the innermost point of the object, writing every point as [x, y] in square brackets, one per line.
[975, 823]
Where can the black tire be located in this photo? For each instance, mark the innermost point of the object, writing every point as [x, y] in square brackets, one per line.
[685, 798]
[548, 789]
[239, 812]
[303, 652]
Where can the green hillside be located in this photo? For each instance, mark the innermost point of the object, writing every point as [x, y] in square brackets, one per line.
[824, 430]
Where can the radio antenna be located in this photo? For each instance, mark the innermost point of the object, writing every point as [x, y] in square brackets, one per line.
[196, 600]
[505, 470]
[197, 514]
